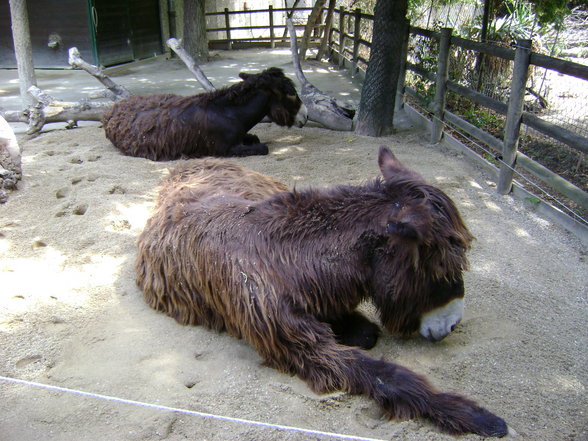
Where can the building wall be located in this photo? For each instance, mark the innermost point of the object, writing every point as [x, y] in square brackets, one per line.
[55, 26]
[125, 30]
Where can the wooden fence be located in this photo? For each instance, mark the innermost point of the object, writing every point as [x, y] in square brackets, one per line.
[350, 46]
[271, 29]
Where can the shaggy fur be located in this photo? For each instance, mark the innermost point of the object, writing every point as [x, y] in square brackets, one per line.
[233, 250]
[166, 127]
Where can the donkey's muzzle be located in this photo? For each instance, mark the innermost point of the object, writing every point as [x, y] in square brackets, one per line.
[438, 323]
[301, 116]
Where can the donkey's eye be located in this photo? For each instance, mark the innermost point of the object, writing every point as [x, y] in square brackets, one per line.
[437, 208]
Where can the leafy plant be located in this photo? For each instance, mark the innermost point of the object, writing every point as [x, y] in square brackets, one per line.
[532, 200]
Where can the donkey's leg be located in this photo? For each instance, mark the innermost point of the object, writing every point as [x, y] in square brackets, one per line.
[248, 150]
[306, 347]
[249, 139]
[354, 329]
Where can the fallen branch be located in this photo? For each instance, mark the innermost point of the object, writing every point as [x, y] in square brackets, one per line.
[321, 107]
[76, 60]
[21, 116]
[48, 109]
[175, 45]
[58, 111]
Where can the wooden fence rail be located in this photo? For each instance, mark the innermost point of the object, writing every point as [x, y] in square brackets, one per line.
[505, 148]
[271, 27]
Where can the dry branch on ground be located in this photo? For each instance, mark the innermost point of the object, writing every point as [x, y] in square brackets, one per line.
[321, 107]
[47, 109]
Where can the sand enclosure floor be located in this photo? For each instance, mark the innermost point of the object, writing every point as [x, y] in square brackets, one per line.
[71, 315]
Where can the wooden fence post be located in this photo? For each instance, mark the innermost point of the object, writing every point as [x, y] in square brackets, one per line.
[441, 85]
[271, 23]
[356, 36]
[341, 36]
[228, 30]
[399, 101]
[514, 114]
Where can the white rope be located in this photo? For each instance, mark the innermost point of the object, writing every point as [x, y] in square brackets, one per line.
[186, 411]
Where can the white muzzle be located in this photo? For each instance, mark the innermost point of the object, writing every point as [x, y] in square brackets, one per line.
[438, 323]
[301, 116]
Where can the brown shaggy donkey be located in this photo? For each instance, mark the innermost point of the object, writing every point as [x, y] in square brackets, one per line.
[233, 250]
[166, 127]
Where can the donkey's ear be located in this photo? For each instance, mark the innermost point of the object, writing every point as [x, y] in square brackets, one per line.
[410, 220]
[389, 164]
[275, 71]
[244, 75]
[391, 167]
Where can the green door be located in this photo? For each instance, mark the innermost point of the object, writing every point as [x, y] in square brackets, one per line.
[125, 30]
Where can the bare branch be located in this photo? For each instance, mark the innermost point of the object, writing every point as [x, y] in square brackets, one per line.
[321, 107]
[294, 50]
[15, 115]
[327, 31]
[76, 60]
[175, 45]
[48, 109]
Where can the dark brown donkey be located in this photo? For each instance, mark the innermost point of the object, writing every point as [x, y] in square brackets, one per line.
[166, 127]
[235, 251]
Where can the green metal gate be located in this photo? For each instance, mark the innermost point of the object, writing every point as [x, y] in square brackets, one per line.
[124, 30]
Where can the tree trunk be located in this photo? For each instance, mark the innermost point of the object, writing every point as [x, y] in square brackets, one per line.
[195, 40]
[327, 32]
[376, 108]
[22, 48]
[479, 68]
[313, 18]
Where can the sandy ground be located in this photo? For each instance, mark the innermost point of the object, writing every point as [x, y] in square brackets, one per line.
[71, 316]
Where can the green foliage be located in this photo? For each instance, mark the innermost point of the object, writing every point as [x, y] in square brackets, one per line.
[517, 23]
[548, 12]
[368, 6]
[482, 117]
[486, 119]
[423, 53]
[532, 200]
[552, 11]
[516, 19]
